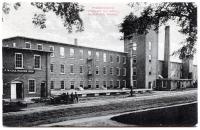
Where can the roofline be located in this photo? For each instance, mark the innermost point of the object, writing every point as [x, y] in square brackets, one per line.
[62, 43]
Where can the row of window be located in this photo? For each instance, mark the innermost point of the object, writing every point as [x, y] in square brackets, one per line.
[97, 55]
[19, 61]
[72, 53]
[106, 84]
[81, 70]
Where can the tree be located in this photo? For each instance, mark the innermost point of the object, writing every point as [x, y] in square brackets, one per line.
[155, 15]
[68, 12]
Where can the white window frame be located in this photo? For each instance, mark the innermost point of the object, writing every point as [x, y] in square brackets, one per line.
[118, 71]
[124, 71]
[70, 68]
[124, 58]
[89, 54]
[29, 86]
[27, 43]
[97, 56]
[53, 52]
[64, 85]
[41, 46]
[118, 83]
[61, 69]
[21, 61]
[62, 54]
[104, 57]
[124, 83]
[40, 61]
[71, 52]
[81, 54]
[14, 44]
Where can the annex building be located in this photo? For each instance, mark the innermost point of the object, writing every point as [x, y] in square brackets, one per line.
[34, 67]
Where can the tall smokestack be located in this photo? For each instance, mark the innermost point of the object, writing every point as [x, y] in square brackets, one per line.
[166, 53]
[75, 41]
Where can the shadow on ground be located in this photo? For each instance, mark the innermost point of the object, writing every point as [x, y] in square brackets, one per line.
[178, 116]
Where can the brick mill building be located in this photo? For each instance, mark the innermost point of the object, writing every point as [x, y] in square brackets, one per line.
[35, 67]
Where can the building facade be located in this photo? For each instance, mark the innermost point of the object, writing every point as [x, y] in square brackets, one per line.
[61, 67]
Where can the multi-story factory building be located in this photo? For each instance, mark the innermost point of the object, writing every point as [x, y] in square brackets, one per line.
[28, 62]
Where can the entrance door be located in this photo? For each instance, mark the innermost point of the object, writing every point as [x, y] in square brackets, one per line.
[43, 89]
[16, 91]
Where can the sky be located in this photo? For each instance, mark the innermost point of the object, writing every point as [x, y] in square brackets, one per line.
[101, 30]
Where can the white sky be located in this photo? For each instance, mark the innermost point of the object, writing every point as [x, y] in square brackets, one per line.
[101, 31]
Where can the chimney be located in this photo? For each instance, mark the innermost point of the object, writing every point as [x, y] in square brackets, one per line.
[75, 41]
[166, 72]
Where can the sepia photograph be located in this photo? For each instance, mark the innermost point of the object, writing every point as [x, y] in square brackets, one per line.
[99, 64]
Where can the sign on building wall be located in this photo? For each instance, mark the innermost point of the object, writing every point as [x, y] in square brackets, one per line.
[18, 71]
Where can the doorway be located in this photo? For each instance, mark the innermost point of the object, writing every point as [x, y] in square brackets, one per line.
[17, 91]
[43, 90]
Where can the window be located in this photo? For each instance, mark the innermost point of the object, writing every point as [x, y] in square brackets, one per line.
[104, 57]
[111, 83]
[134, 83]
[149, 58]
[89, 83]
[71, 69]
[81, 69]
[134, 59]
[89, 54]
[124, 71]
[14, 44]
[97, 84]
[89, 69]
[39, 46]
[111, 71]
[134, 46]
[51, 67]
[104, 84]
[27, 45]
[124, 83]
[81, 54]
[118, 71]
[124, 60]
[149, 45]
[97, 56]
[62, 52]
[111, 58]
[71, 53]
[118, 83]
[134, 71]
[72, 84]
[81, 84]
[62, 69]
[52, 84]
[37, 59]
[97, 70]
[118, 59]
[62, 84]
[18, 60]
[52, 51]
[104, 70]
[31, 86]
[149, 72]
